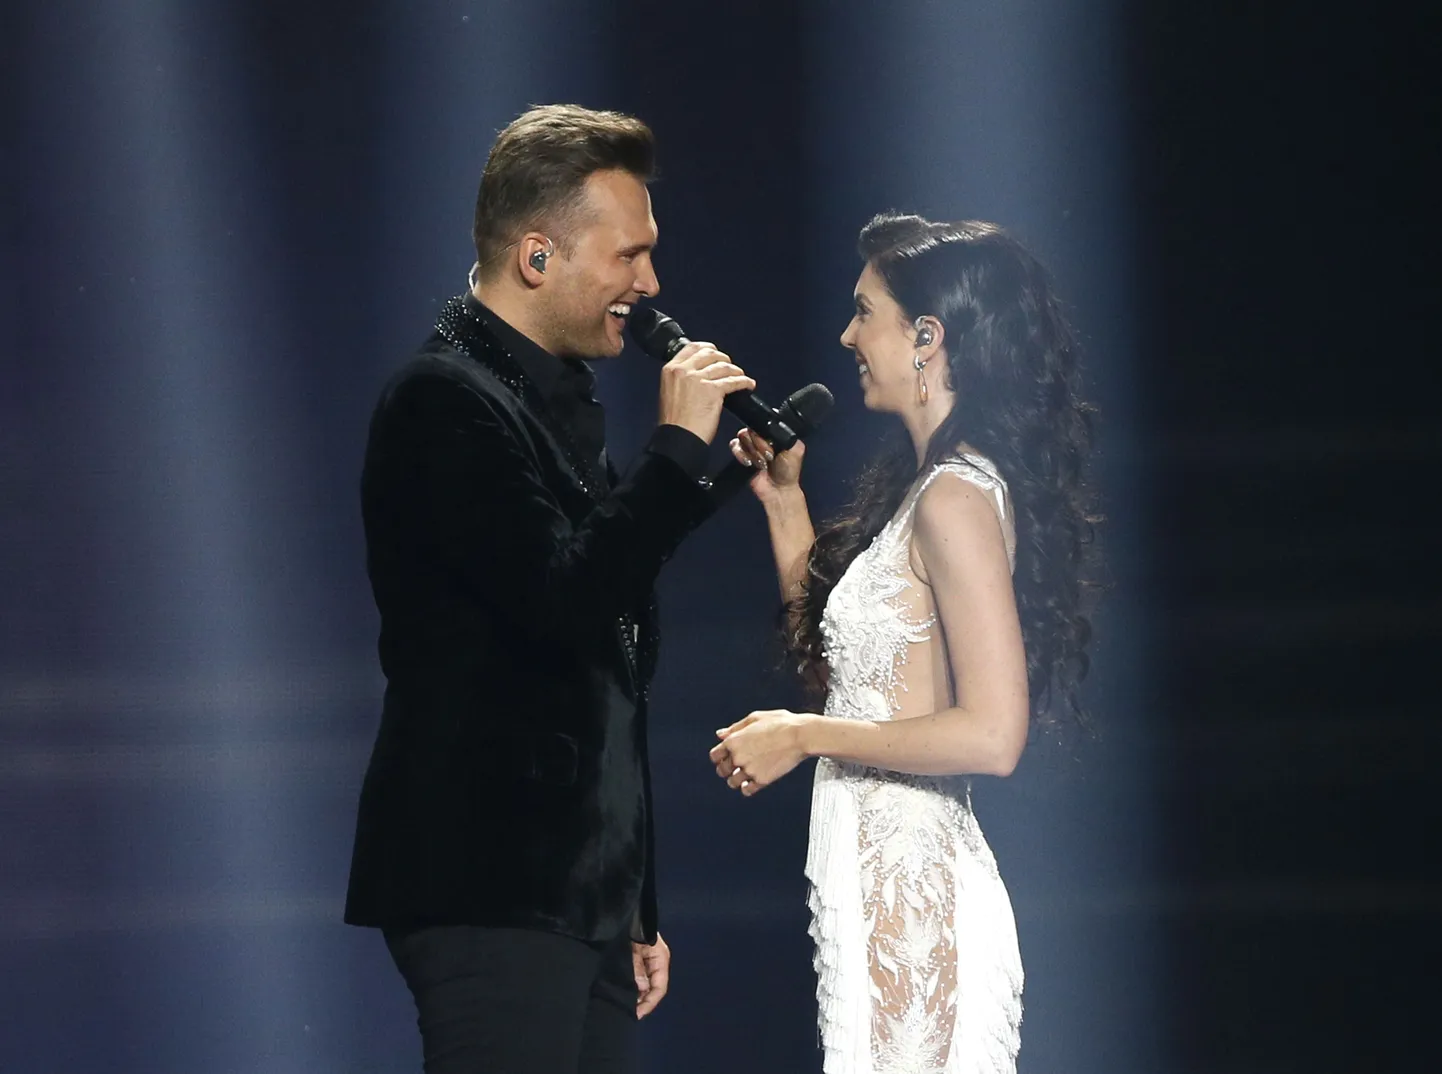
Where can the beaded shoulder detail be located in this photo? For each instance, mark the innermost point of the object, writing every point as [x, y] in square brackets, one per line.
[464, 331]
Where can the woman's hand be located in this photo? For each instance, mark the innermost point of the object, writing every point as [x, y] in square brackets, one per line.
[775, 473]
[757, 751]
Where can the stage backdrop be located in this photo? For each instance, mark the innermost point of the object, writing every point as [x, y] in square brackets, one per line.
[226, 223]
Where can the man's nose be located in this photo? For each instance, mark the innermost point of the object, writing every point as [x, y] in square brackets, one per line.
[646, 281]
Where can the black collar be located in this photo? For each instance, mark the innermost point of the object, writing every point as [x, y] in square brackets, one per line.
[466, 324]
[551, 375]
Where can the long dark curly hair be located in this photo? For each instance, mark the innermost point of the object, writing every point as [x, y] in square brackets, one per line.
[1011, 359]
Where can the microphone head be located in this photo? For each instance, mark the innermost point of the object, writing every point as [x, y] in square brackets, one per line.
[810, 405]
[657, 334]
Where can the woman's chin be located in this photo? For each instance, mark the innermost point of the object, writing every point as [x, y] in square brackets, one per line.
[870, 398]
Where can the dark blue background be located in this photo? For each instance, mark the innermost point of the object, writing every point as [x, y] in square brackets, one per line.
[225, 223]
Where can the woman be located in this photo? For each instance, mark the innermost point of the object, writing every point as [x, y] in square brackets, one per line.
[932, 660]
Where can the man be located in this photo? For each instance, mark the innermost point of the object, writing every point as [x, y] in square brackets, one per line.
[504, 836]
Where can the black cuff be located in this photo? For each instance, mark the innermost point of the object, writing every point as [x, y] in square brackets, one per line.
[681, 446]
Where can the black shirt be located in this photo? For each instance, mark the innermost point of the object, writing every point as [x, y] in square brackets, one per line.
[568, 387]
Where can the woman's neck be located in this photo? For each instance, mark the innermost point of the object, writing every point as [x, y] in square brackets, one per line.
[922, 421]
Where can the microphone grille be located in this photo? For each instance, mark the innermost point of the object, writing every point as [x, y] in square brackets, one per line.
[811, 404]
[656, 333]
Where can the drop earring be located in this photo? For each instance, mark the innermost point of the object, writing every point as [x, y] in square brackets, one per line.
[924, 338]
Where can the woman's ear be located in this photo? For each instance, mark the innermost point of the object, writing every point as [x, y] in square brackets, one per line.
[929, 334]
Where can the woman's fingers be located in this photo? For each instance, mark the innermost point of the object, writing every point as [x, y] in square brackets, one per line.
[756, 447]
[745, 453]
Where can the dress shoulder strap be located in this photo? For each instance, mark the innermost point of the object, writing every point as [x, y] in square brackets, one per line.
[979, 471]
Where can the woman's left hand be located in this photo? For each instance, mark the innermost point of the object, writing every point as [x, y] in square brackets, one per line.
[757, 751]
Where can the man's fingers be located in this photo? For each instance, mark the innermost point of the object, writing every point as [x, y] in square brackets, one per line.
[653, 976]
[699, 355]
[659, 983]
[718, 370]
[728, 377]
[735, 384]
[647, 998]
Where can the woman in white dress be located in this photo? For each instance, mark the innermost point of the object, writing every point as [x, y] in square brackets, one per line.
[940, 617]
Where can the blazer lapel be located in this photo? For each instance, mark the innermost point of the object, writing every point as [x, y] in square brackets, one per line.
[635, 634]
[464, 332]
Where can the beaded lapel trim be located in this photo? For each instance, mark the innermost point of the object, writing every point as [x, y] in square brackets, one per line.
[462, 330]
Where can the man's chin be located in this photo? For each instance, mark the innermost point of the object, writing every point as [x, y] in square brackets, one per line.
[601, 353]
[596, 350]
[614, 340]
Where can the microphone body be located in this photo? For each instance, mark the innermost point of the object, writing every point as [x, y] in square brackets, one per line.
[802, 412]
[661, 337]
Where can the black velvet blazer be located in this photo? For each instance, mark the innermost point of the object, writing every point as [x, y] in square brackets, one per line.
[509, 784]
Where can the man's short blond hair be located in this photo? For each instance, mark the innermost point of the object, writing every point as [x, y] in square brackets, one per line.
[536, 174]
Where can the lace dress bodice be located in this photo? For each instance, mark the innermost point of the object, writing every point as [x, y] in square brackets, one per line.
[916, 955]
[878, 610]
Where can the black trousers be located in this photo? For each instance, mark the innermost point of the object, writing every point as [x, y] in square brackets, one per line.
[517, 1001]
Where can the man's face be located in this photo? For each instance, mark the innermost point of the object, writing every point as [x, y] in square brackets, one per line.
[590, 292]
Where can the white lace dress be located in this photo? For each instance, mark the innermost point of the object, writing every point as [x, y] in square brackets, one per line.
[918, 970]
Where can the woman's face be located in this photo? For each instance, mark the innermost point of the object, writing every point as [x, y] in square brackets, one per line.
[884, 344]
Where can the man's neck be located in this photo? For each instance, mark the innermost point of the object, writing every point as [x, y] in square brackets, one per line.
[503, 302]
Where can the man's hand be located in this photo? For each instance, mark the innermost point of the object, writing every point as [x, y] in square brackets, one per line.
[693, 386]
[653, 974]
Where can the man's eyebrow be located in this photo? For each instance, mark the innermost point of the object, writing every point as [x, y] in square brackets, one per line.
[636, 248]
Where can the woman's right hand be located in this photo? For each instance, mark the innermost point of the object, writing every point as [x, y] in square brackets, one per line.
[775, 472]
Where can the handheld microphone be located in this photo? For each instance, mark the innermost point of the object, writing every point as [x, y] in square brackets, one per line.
[803, 411]
[661, 337]
[806, 408]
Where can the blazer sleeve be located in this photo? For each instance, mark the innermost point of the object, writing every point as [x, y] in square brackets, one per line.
[487, 515]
